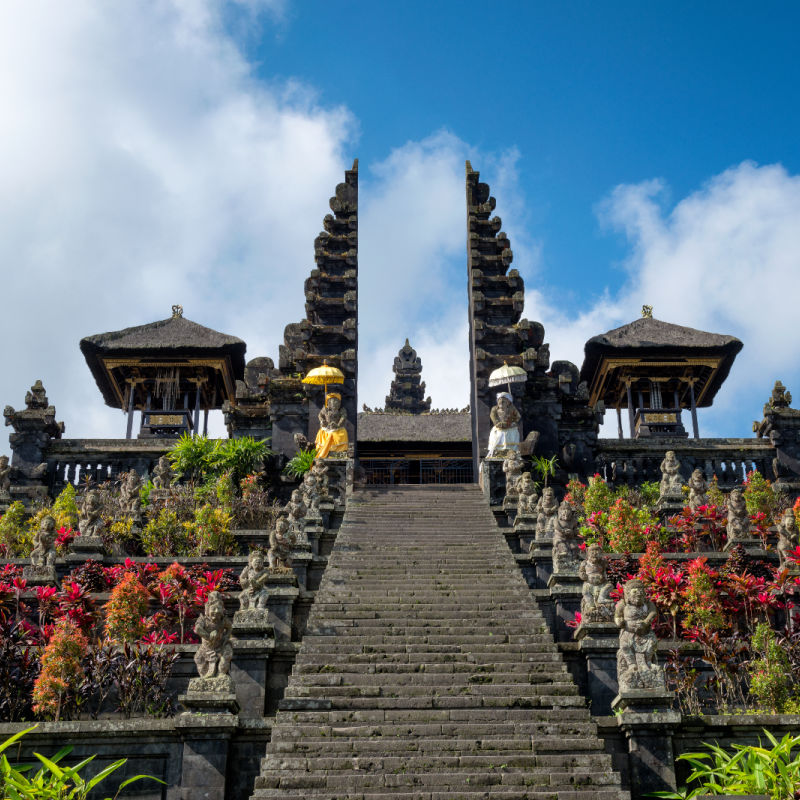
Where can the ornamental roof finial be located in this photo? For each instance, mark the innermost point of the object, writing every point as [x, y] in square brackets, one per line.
[647, 312]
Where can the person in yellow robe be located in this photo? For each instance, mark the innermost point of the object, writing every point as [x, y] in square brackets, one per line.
[332, 435]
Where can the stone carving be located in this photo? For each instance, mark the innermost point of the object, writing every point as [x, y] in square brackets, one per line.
[504, 435]
[787, 538]
[738, 519]
[566, 541]
[213, 657]
[546, 515]
[698, 490]
[296, 509]
[512, 468]
[596, 602]
[637, 667]
[130, 503]
[281, 544]
[253, 580]
[781, 397]
[5, 476]
[90, 522]
[311, 497]
[670, 476]
[42, 569]
[527, 499]
[162, 474]
[332, 434]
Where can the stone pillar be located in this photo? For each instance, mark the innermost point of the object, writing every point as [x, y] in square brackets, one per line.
[598, 642]
[281, 595]
[566, 592]
[253, 648]
[206, 745]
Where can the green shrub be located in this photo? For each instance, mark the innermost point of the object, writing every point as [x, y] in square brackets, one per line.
[65, 509]
[771, 681]
[209, 533]
[54, 781]
[301, 463]
[165, 535]
[15, 536]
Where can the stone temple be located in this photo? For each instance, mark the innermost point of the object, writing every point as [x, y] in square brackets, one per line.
[402, 623]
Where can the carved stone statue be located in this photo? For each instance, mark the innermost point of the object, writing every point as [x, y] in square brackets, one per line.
[738, 519]
[637, 666]
[90, 523]
[213, 657]
[281, 544]
[332, 434]
[162, 474]
[253, 580]
[546, 515]
[527, 499]
[504, 435]
[311, 498]
[698, 490]
[596, 602]
[512, 467]
[5, 476]
[296, 509]
[130, 502]
[670, 476]
[787, 538]
[566, 541]
[43, 555]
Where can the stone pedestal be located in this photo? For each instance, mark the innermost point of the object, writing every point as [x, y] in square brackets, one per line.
[314, 531]
[670, 504]
[510, 507]
[598, 643]
[651, 760]
[253, 647]
[84, 548]
[493, 481]
[525, 531]
[213, 695]
[40, 576]
[282, 592]
[542, 561]
[301, 559]
[566, 593]
[206, 743]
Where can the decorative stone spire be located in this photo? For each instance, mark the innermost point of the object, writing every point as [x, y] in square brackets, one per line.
[407, 391]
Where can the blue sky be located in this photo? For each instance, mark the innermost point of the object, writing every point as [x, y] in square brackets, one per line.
[184, 150]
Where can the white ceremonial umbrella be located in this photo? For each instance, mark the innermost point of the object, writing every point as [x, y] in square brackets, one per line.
[508, 375]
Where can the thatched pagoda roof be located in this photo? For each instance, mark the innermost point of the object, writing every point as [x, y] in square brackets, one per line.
[662, 346]
[172, 341]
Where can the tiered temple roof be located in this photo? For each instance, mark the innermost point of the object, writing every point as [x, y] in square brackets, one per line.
[407, 391]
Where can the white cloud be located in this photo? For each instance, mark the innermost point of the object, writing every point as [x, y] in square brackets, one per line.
[143, 166]
[723, 259]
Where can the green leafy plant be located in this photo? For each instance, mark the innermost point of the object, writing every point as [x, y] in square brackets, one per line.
[301, 463]
[241, 457]
[749, 769]
[771, 680]
[15, 538]
[202, 460]
[545, 468]
[65, 508]
[55, 689]
[165, 535]
[55, 781]
[193, 457]
[210, 531]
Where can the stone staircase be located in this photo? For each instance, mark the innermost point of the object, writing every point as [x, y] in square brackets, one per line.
[427, 670]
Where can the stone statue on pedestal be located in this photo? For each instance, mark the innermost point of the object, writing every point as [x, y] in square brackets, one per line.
[637, 665]
[5, 477]
[566, 541]
[546, 515]
[670, 475]
[213, 657]
[281, 544]
[130, 502]
[738, 527]
[596, 602]
[90, 523]
[296, 509]
[311, 499]
[504, 435]
[527, 499]
[332, 434]
[787, 539]
[42, 569]
[162, 474]
[253, 580]
[698, 490]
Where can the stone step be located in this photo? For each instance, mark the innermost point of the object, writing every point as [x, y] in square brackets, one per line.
[464, 793]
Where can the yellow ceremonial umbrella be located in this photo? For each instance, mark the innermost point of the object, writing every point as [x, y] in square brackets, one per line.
[322, 376]
[509, 375]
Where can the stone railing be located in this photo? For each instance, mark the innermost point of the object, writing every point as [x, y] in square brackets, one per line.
[632, 461]
[75, 460]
